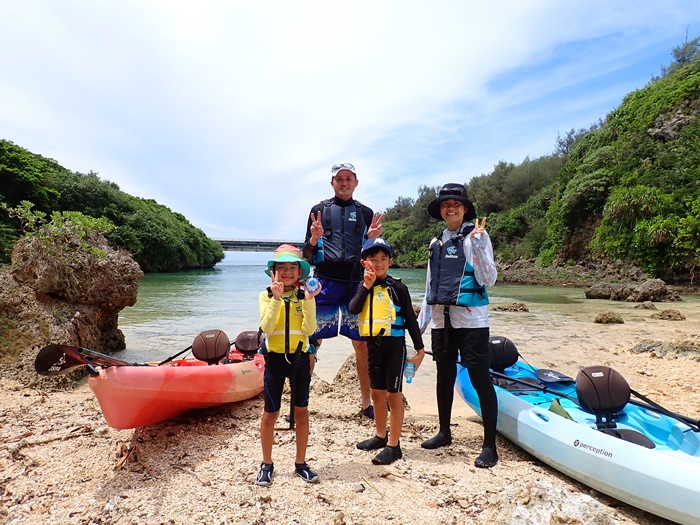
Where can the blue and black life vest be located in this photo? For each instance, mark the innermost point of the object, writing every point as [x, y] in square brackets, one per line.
[452, 279]
[343, 232]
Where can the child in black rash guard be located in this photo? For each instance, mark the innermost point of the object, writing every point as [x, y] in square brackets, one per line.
[385, 312]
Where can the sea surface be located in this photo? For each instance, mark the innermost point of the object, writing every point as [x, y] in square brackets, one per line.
[172, 308]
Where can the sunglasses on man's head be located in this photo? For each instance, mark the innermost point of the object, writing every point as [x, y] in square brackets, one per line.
[343, 166]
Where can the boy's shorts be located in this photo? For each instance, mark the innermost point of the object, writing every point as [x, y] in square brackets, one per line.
[471, 345]
[386, 357]
[277, 369]
[332, 314]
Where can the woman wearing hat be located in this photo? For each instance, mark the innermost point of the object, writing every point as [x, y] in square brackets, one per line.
[460, 267]
[288, 318]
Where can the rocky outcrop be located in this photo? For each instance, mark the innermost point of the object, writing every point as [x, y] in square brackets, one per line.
[649, 290]
[669, 315]
[668, 126]
[608, 318]
[683, 348]
[528, 271]
[512, 307]
[646, 305]
[69, 292]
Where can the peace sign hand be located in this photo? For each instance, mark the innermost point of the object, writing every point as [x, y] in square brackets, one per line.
[369, 276]
[478, 228]
[316, 228]
[277, 286]
[375, 229]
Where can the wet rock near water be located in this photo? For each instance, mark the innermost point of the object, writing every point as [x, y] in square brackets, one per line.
[669, 315]
[646, 305]
[649, 290]
[513, 307]
[683, 348]
[608, 318]
[528, 271]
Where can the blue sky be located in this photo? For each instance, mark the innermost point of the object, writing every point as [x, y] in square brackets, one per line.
[232, 112]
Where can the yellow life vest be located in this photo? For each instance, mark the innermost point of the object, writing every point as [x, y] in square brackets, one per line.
[289, 321]
[379, 314]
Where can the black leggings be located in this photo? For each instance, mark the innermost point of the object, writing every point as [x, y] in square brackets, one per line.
[481, 380]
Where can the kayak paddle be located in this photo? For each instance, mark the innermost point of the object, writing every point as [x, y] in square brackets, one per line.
[552, 376]
[168, 359]
[53, 360]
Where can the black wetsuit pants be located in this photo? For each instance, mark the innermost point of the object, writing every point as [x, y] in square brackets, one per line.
[481, 380]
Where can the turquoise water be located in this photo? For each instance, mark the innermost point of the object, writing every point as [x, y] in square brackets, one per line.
[172, 308]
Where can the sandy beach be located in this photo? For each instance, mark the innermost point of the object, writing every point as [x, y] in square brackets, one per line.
[61, 464]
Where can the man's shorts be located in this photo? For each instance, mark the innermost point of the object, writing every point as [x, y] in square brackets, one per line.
[277, 369]
[332, 314]
[386, 357]
[471, 345]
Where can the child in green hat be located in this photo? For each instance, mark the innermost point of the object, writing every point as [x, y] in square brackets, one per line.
[287, 318]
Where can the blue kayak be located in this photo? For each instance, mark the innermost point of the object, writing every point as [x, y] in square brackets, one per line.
[591, 430]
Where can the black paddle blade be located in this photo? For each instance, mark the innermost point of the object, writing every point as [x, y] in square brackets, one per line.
[53, 360]
[552, 376]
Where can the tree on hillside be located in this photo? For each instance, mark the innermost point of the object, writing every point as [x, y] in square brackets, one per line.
[683, 55]
[159, 239]
[409, 228]
[509, 185]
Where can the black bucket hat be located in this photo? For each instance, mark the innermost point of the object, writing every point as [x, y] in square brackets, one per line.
[454, 191]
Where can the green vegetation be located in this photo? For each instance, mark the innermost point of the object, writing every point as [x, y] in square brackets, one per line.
[159, 239]
[628, 188]
[56, 234]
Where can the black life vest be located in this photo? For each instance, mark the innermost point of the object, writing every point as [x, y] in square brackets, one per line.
[343, 232]
[452, 279]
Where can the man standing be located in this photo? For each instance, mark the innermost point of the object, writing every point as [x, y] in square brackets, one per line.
[335, 233]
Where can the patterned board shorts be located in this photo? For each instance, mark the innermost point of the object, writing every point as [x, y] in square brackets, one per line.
[332, 315]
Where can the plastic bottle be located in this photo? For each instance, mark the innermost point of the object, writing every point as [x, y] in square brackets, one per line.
[311, 284]
[409, 369]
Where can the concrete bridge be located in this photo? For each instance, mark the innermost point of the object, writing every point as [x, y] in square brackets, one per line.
[250, 245]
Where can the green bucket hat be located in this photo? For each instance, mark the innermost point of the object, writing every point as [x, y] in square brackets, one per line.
[289, 253]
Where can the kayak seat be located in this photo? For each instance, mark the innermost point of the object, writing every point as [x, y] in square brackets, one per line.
[502, 353]
[631, 435]
[211, 346]
[248, 343]
[604, 392]
[520, 384]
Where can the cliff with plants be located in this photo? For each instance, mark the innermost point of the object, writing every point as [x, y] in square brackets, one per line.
[66, 285]
[631, 189]
[159, 239]
[626, 190]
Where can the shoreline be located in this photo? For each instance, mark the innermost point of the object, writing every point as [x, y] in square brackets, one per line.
[62, 464]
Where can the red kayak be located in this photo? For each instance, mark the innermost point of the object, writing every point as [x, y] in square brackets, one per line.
[135, 396]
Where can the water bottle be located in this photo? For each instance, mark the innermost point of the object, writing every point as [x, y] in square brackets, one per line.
[311, 285]
[409, 369]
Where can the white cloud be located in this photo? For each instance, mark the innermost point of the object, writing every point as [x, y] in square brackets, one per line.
[232, 113]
